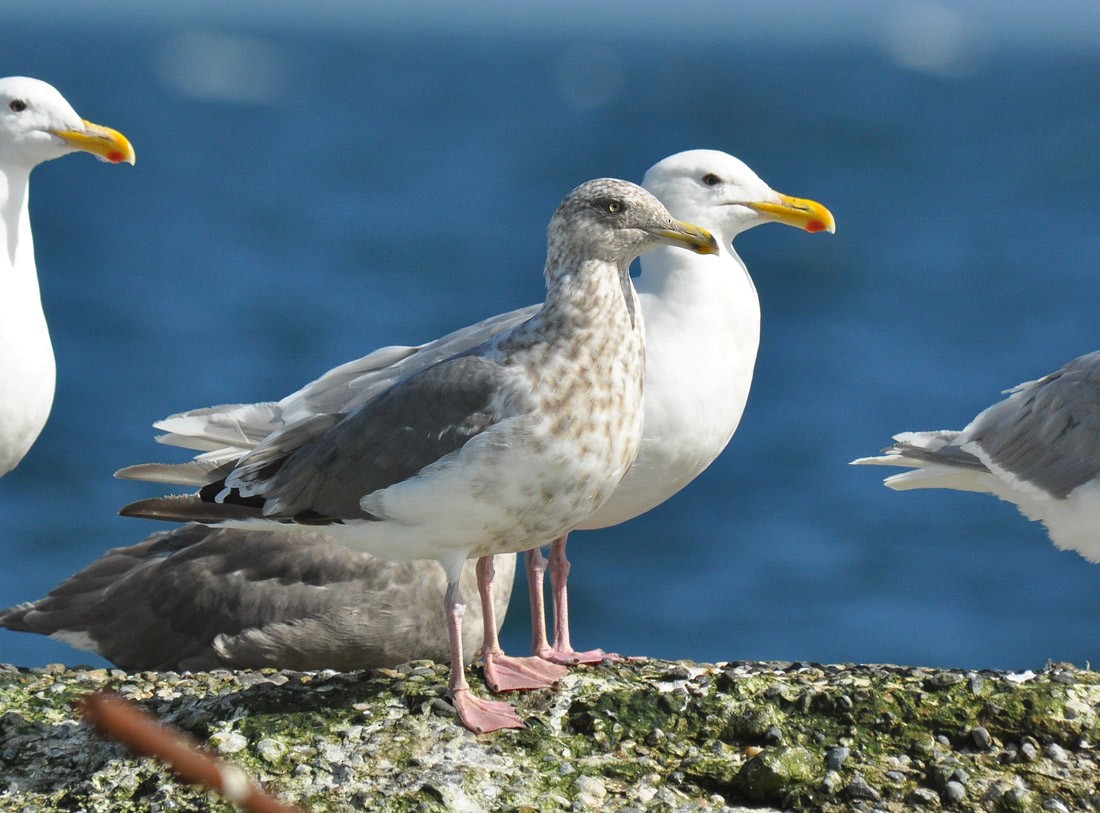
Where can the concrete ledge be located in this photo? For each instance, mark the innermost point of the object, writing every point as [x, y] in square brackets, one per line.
[650, 735]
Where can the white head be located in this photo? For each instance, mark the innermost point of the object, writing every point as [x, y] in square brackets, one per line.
[37, 124]
[719, 193]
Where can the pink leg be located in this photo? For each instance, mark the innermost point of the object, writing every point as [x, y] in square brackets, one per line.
[535, 563]
[504, 673]
[480, 716]
[562, 650]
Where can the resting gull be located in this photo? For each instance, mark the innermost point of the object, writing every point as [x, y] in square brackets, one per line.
[1039, 449]
[493, 450]
[702, 318]
[200, 598]
[36, 125]
[702, 326]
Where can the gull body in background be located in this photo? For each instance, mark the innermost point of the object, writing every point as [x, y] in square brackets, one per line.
[704, 329]
[200, 598]
[493, 450]
[1038, 449]
[36, 125]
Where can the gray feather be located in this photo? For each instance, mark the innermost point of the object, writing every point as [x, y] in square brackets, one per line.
[341, 390]
[936, 447]
[388, 440]
[1048, 431]
[319, 469]
[203, 598]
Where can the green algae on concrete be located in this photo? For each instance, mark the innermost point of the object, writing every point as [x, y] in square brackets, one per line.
[774, 772]
[649, 735]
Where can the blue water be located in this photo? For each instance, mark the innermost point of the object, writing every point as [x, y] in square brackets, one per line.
[303, 197]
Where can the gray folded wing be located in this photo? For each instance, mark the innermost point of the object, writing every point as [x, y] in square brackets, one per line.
[223, 433]
[319, 469]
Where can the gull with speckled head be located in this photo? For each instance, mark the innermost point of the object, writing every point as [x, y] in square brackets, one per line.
[702, 318]
[36, 125]
[1038, 449]
[496, 449]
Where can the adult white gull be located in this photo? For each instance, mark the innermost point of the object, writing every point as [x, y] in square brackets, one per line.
[199, 598]
[702, 326]
[493, 450]
[1038, 449]
[36, 125]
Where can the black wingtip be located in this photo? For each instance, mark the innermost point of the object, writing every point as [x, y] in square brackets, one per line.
[15, 618]
[187, 508]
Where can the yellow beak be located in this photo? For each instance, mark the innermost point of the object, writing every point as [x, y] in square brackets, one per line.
[102, 142]
[804, 214]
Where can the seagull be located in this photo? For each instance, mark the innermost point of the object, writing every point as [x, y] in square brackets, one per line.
[199, 598]
[702, 318]
[1038, 449]
[493, 450]
[36, 125]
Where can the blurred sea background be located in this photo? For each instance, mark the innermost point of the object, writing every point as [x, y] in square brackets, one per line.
[317, 180]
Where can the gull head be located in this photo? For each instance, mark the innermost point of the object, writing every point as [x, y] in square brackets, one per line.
[615, 221]
[720, 193]
[37, 124]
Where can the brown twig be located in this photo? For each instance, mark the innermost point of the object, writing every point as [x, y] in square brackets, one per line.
[142, 733]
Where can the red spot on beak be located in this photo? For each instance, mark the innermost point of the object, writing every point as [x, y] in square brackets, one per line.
[815, 225]
[116, 157]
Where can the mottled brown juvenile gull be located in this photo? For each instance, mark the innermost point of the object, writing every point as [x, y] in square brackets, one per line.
[200, 598]
[36, 124]
[493, 450]
[702, 331]
[1038, 449]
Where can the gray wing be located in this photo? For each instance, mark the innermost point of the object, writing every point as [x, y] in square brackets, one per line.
[223, 433]
[349, 386]
[1048, 431]
[319, 469]
[202, 598]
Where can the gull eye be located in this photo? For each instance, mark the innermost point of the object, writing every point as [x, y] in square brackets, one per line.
[710, 179]
[17, 105]
[615, 206]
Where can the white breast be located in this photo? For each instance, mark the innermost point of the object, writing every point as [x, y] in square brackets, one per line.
[702, 335]
[27, 372]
